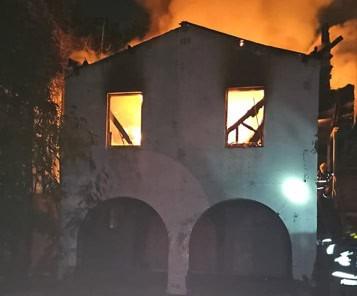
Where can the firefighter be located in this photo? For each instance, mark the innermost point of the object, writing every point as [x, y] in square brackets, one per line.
[325, 181]
[328, 228]
[328, 222]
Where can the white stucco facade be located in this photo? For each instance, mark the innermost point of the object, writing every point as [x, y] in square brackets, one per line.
[182, 167]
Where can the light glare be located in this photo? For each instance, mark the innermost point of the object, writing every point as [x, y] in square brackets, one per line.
[295, 190]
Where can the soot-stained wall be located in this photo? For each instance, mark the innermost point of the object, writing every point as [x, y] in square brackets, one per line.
[182, 167]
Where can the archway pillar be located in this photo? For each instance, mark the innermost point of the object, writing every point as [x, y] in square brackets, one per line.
[304, 252]
[68, 242]
[178, 263]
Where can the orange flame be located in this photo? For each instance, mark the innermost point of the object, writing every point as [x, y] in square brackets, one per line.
[287, 24]
[87, 54]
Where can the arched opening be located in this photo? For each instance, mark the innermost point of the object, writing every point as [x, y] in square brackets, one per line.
[238, 242]
[123, 243]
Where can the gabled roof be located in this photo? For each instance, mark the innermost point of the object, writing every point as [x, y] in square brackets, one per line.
[184, 25]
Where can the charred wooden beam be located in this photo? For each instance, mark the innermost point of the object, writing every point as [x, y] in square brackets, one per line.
[258, 135]
[120, 128]
[250, 113]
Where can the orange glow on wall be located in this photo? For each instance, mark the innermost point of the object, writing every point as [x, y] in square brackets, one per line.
[242, 104]
[124, 119]
[287, 24]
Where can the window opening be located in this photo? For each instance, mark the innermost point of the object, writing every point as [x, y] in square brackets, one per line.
[245, 117]
[124, 119]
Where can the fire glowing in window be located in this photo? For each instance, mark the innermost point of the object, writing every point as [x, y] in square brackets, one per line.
[245, 117]
[124, 119]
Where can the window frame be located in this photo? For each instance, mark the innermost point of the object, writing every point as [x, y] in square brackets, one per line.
[243, 145]
[107, 118]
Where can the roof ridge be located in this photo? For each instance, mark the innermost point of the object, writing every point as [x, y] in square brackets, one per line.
[186, 25]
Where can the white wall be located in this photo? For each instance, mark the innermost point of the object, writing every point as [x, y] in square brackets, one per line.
[183, 167]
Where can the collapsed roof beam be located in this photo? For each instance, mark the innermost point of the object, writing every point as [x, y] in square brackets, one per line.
[120, 129]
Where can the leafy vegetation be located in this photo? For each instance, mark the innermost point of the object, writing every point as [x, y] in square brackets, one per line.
[37, 38]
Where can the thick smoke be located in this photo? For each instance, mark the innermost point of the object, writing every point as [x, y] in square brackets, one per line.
[345, 55]
[160, 15]
[338, 12]
[289, 24]
[123, 20]
[341, 16]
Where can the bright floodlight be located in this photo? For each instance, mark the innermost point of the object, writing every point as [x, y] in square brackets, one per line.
[295, 190]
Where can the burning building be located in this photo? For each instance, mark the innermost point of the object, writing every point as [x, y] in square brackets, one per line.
[203, 169]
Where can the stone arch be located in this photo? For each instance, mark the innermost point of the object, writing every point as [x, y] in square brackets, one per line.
[237, 240]
[125, 241]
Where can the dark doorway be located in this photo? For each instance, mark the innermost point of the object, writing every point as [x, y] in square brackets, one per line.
[239, 244]
[123, 244]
